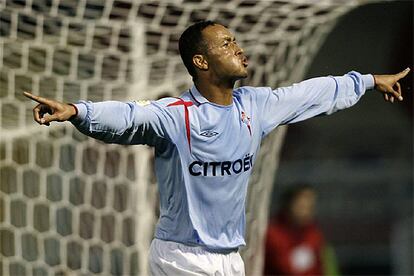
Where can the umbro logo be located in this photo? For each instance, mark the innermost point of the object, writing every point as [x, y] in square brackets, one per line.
[209, 133]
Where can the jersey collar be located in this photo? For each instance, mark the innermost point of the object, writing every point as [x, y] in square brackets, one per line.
[198, 98]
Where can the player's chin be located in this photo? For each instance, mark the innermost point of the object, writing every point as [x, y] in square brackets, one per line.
[243, 73]
[240, 77]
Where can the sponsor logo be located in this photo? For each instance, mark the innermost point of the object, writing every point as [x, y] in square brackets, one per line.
[208, 133]
[221, 168]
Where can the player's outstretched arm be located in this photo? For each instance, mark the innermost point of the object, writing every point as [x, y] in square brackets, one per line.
[323, 95]
[110, 121]
[49, 110]
[389, 85]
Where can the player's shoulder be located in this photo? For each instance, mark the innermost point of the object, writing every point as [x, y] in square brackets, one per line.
[165, 102]
[160, 103]
[171, 103]
[250, 92]
[147, 103]
[250, 89]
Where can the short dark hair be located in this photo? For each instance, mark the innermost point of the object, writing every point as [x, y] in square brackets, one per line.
[191, 43]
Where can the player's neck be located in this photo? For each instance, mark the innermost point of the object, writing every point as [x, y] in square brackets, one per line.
[219, 93]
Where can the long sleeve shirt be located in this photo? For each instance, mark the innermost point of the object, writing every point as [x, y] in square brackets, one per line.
[205, 152]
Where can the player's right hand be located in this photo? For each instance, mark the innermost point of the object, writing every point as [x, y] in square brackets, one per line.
[49, 110]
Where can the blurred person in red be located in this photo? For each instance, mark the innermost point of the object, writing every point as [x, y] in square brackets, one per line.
[294, 244]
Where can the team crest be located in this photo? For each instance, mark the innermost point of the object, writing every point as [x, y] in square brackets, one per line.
[246, 120]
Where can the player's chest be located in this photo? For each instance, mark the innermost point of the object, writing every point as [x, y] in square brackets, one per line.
[220, 133]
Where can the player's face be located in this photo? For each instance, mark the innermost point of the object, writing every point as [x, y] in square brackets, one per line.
[225, 57]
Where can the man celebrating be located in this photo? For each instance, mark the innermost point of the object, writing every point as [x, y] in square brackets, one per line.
[206, 143]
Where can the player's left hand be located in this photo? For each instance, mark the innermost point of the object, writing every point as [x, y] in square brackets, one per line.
[389, 85]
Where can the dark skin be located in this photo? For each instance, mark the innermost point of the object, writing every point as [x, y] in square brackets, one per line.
[221, 66]
[218, 69]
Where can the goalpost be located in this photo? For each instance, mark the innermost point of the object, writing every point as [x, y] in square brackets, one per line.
[69, 203]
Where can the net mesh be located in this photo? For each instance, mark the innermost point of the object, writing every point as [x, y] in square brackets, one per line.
[69, 203]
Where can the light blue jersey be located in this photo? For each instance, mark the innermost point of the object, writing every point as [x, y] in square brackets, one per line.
[205, 152]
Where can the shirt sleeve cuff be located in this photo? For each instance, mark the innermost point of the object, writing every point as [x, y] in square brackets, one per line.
[82, 112]
[368, 81]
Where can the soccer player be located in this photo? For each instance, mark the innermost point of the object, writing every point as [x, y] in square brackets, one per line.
[206, 142]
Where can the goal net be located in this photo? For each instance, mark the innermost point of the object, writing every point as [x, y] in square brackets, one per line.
[69, 203]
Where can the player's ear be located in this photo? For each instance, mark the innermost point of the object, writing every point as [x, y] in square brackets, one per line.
[200, 62]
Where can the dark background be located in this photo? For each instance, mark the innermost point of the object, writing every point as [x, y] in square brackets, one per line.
[361, 160]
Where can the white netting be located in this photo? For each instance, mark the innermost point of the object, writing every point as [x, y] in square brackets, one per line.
[70, 203]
